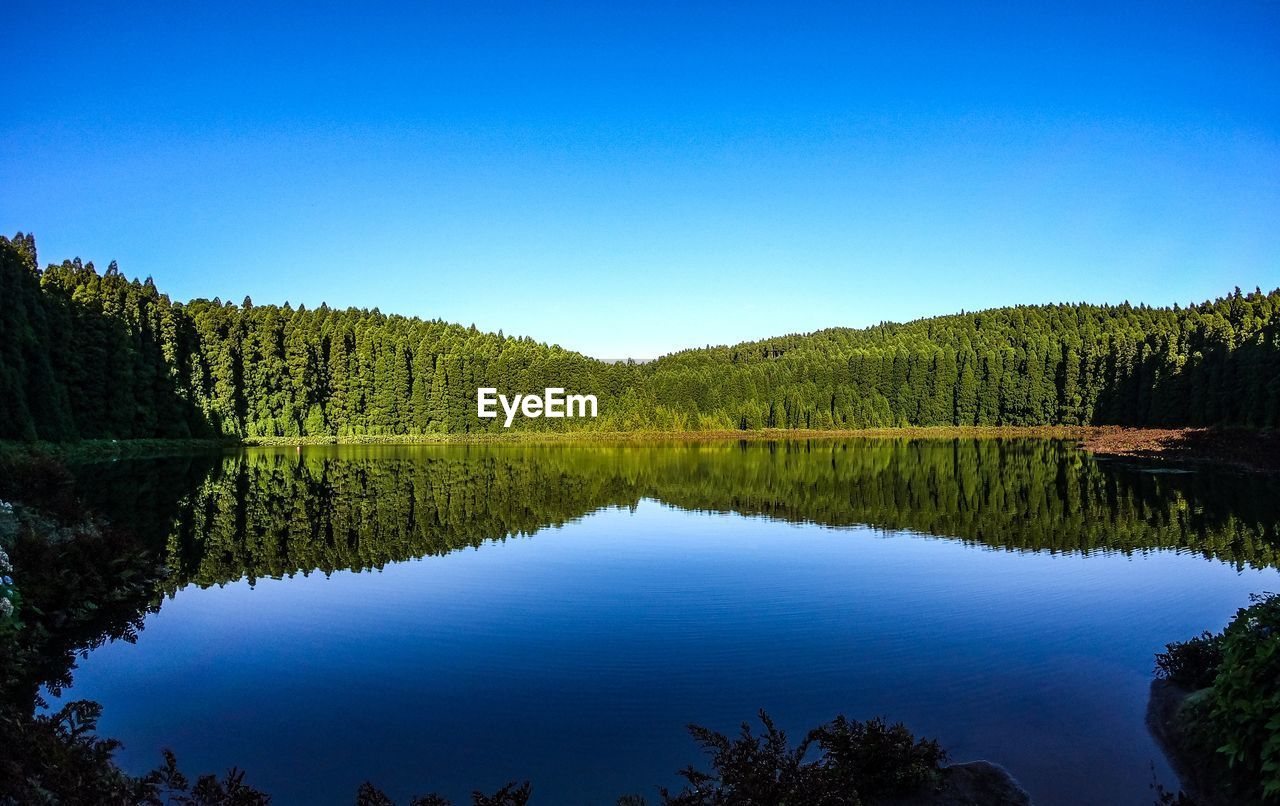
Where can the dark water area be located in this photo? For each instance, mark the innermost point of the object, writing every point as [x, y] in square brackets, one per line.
[453, 617]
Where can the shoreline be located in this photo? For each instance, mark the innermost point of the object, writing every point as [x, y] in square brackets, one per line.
[756, 435]
[1164, 702]
[1242, 449]
[91, 449]
[1238, 448]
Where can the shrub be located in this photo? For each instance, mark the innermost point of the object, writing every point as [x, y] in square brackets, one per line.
[1192, 663]
[859, 762]
[756, 769]
[167, 786]
[1244, 705]
[509, 795]
[879, 759]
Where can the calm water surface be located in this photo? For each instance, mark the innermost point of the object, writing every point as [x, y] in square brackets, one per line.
[451, 617]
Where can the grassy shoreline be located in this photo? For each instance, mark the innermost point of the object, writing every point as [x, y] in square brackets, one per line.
[767, 434]
[90, 449]
[1247, 449]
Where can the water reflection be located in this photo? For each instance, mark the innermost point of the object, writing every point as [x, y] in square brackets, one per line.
[272, 513]
[573, 658]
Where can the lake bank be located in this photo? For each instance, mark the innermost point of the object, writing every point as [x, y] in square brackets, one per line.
[755, 435]
[1213, 708]
[1246, 449]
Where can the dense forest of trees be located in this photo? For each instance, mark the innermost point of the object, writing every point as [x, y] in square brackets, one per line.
[89, 355]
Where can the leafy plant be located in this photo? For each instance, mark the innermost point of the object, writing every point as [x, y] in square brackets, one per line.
[1231, 725]
[1244, 706]
[878, 758]
[167, 786]
[509, 795]
[858, 761]
[755, 769]
[1193, 663]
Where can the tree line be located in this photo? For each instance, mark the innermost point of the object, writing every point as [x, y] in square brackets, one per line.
[85, 355]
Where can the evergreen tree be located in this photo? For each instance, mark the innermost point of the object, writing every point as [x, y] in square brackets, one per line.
[89, 355]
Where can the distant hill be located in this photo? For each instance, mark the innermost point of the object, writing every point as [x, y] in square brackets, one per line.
[89, 355]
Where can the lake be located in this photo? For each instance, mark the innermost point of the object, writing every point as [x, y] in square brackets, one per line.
[451, 617]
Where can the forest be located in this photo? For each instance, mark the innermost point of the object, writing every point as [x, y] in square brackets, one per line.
[89, 355]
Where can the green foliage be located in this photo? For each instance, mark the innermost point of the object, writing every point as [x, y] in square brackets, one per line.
[858, 763]
[57, 758]
[84, 355]
[511, 794]
[1244, 710]
[370, 795]
[1193, 663]
[882, 760]
[1232, 722]
[168, 786]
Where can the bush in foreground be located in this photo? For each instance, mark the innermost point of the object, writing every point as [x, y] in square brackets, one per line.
[857, 762]
[1233, 721]
[1193, 663]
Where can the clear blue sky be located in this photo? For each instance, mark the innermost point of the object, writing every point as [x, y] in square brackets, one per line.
[635, 178]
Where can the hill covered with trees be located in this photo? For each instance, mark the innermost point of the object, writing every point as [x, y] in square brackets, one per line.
[90, 355]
